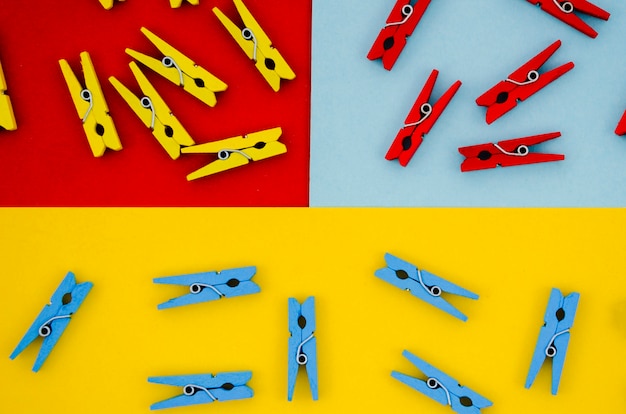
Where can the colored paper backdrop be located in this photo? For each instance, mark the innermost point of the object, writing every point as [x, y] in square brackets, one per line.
[47, 161]
[358, 106]
[118, 338]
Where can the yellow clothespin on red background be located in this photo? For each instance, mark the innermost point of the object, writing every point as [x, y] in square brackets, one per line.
[180, 70]
[257, 46]
[237, 151]
[177, 3]
[108, 4]
[91, 107]
[154, 113]
[7, 118]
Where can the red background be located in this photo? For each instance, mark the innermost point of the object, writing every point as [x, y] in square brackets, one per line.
[47, 160]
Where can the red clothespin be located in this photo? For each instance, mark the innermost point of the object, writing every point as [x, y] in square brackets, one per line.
[621, 126]
[420, 120]
[565, 12]
[507, 153]
[401, 22]
[521, 84]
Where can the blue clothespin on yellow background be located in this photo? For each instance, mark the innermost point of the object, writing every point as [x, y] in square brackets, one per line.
[237, 151]
[91, 107]
[422, 284]
[302, 344]
[205, 388]
[554, 336]
[54, 318]
[7, 118]
[442, 388]
[257, 46]
[180, 70]
[154, 113]
[207, 286]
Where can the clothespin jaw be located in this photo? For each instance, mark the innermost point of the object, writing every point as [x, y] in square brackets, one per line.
[177, 3]
[400, 24]
[566, 11]
[108, 4]
[422, 284]
[237, 151]
[521, 84]
[554, 336]
[7, 118]
[442, 388]
[54, 318]
[208, 286]
[91, 107]
[621, 126]
[154, 113]
[257, 46]
[302, 345]
[507, 153]
[180, 70]
[205, 388]
[420, 120]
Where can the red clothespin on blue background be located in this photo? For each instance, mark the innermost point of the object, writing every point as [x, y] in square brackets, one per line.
[507, 153]
[400, 24]
[621, 126]
[521, 84]
[565, 11]
[420, 120]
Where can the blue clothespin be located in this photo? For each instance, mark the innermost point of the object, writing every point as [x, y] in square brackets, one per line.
[302, 344]
[442, 388]
[205, 388]
[207, 286]
[422, 284]
[554, 336]
[54, 318]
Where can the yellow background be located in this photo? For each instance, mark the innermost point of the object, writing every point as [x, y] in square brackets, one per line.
[118, 338]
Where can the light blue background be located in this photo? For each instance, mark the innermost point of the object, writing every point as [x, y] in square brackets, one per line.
[358, 106]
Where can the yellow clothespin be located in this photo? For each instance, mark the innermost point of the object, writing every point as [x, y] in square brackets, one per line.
[108, 4]
[237, 151]
[7, 118]
[257, 46]
[177, 3]
[180, 70]
[154, 113]
[91, 107]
